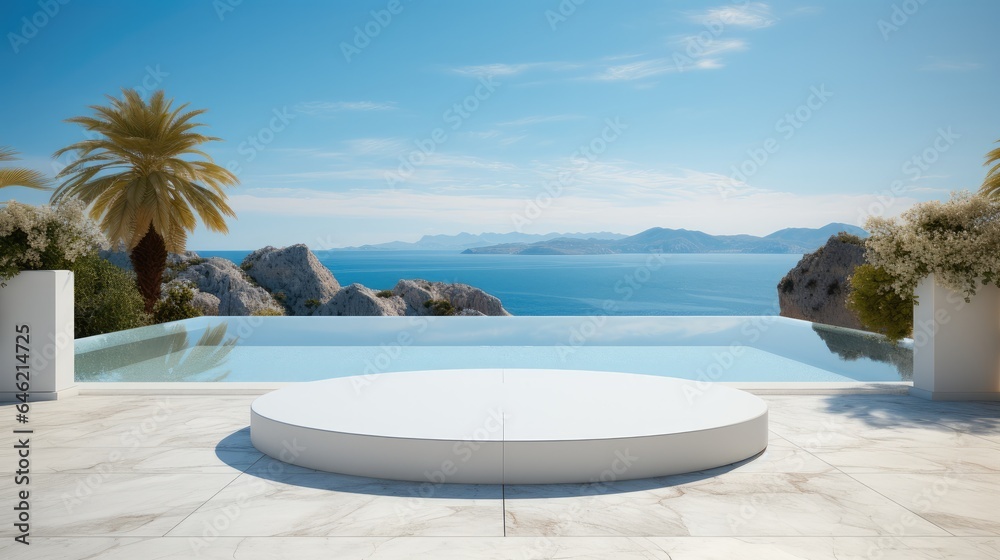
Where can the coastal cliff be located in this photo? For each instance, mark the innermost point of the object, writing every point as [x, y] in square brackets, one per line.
[292, 281]
[816, 289]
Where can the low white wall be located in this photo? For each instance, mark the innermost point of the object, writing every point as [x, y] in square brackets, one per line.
[956, 345]
[36, 330]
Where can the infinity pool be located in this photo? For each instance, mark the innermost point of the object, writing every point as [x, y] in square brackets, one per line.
[741, 349]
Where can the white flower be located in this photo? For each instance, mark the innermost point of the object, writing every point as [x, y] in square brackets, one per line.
[31, 237]
[958, 241]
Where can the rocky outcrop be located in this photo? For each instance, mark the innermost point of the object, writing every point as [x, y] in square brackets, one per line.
[291, 279]
[236, 294]
[816, 289]
[413, 297]
[416, 293]
[205, 302]
[362, 301]
[294, 275]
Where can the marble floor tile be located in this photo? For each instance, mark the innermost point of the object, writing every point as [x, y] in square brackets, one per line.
[827, 548]
[963, 504]
[834, 483]
[109, 504]
[324, 504]
[360, 548]
[490, 548]
[824, 432]
[913, 459]
[203, 431]
[781, 456]
[189, 460]
[733, 504]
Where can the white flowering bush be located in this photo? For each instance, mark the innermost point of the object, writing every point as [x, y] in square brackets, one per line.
[958, 241]
[45, 237]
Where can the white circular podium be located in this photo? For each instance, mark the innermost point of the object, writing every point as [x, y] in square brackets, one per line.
[509, 426]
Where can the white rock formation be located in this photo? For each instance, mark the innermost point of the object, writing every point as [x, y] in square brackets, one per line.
[224, 280]
[461, 296]
[303, 283]
[360, 300]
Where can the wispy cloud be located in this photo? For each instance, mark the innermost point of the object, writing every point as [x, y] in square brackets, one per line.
[499, 69]
[481, 134]
[326, 107]
[754, 15]
[637, 70]
[539, 119]
[374, 146]
[806, 11]
[942, 64]
[758, 213]
[691, 52]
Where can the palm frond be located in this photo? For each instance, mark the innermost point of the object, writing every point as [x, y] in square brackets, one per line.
[991, 185]
[20, 176]
[146, 167]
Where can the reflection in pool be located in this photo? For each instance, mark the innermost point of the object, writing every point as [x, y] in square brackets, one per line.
[169, 355]
[851, 345]
[742, 349]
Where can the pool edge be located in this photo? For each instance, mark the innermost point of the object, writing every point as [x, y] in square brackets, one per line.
[194, 388]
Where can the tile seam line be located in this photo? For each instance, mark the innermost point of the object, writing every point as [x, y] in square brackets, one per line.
[210, 498]
[904, 507]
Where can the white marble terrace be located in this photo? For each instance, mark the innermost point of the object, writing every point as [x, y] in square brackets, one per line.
[843, 477]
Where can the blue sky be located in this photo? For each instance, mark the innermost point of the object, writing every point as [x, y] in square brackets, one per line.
[362, 122]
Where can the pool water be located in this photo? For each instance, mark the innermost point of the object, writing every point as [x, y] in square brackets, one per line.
[730, 349]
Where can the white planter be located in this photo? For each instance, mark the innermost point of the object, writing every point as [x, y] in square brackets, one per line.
[39, 302]
[956, 345]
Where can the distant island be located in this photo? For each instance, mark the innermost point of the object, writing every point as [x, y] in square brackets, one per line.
[665, 240]
[464, 240]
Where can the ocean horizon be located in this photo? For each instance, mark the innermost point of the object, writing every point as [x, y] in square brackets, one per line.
[618, 284]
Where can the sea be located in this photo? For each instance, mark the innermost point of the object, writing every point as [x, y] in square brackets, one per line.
[634, 284]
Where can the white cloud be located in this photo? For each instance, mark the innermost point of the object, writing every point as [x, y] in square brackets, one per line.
[806, 11]
[638, 70]
[326, 107]
[942, 64]
[487, 70]
[759, 213]
[691, 52]
[374, 146]
[715, 47]
[538, 119]
[754, 15]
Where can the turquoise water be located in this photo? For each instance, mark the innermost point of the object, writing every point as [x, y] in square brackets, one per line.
[731, 349]
[712, 284]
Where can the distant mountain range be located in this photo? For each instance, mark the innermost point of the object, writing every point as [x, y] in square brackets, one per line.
[470, 241]
[664, 240]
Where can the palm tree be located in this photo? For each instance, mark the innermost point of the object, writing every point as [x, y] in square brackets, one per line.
[991, 186]
[146, 181]
[19, 176]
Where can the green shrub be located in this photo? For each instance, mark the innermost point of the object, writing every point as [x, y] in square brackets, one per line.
[385, 294]
[176, 306]
[880, 308]
[850, 238]
[268, 312]
[279, 297]
[312, 303]
[440, 307]
[105, 298]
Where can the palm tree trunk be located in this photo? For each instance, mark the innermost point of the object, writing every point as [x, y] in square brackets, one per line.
[149, 259]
